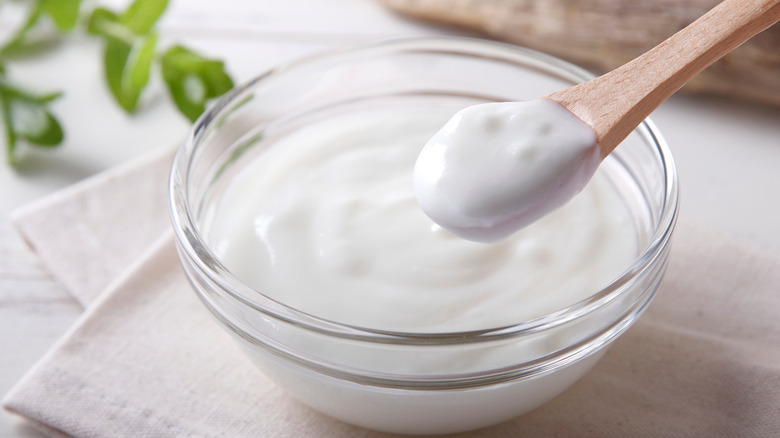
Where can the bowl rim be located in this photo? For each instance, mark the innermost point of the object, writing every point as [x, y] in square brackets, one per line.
[191, 245]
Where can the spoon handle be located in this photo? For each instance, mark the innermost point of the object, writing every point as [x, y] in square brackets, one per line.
[616, 103]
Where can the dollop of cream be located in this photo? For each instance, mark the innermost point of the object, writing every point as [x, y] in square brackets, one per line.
[326, 221]
[495, 168]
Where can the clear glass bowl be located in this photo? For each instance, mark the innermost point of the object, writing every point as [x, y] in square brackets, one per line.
[349, 372]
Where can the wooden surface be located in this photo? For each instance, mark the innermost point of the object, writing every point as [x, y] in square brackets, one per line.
[615, 103]
[605, 34]
[735, 188]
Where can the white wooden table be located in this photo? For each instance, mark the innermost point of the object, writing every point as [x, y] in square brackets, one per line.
[728, 154]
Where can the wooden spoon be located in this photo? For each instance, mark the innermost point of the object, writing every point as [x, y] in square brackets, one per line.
[485, 187]
[616, 103]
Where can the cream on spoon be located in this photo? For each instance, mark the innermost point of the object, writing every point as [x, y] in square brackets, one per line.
[495, 168]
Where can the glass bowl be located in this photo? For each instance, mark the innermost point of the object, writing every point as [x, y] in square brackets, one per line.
[390, 380]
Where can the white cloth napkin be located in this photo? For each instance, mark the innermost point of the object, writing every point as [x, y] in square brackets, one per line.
[145, 359]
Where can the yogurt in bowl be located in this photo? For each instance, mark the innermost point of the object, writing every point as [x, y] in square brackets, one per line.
[297, 224]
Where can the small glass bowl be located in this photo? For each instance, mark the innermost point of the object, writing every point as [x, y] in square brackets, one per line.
[349, 372]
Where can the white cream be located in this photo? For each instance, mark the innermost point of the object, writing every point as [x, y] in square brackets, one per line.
[327, 221]
[495, 168]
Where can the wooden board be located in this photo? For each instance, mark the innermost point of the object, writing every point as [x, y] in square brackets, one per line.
[604, 34]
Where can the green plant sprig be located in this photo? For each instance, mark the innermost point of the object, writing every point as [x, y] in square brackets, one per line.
[130, 49]
[26, 117]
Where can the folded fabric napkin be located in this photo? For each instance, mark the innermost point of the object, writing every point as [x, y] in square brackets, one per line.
[145, 360]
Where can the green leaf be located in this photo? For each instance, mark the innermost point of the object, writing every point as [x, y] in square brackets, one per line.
[193, 80]
[100, 20]
[9, 90]
[51, 137]
[33, 122]
[26, 117]
[19, 38]
[115, 57]
[10, 134]
[127, 68]
[141, 15]
[140, 62]
[64, 13]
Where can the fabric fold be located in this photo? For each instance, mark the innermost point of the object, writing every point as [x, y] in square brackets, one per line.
[87, 234]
